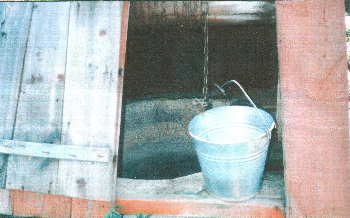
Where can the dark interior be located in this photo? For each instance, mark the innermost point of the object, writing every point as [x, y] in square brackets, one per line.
[167, 62]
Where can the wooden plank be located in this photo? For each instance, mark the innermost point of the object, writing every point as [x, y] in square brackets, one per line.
[15, 22]
[5, 203]
[89, 117]
[186, 196]
[14, 26]
[186, 208]
[122, 53]
[55, 206]
[26, 203]
[40, 103]
[192, 187]
[220, 13]
[314, 91]
[82, 208]
[81, 153]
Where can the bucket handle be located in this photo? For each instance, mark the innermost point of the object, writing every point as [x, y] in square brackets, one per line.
[247, 96]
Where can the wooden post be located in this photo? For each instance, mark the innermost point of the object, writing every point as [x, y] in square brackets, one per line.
[313, 75]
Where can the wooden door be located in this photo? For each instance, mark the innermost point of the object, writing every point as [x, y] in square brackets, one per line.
[59, 65]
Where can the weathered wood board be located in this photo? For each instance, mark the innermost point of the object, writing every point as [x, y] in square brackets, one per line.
[5, 202]
[61, 86]
[90, 101]
[46, 150]
[183, 197]
[39, 113]
[14, 26]
[314, 99]
[28, 204]
[186, 196]
[11, 60]
[15, 20]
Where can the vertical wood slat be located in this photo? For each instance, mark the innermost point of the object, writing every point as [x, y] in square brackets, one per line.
[39, 113]
[122, 53]
[313, 75]
[89, 116]
[5, 202]
[14, 25]
[15, 22]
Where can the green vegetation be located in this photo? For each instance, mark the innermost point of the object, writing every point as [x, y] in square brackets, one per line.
[347, 34]
[113, 213]
[10, 216]
[141, 216]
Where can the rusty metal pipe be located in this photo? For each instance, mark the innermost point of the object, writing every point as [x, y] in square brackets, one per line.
[190, 12]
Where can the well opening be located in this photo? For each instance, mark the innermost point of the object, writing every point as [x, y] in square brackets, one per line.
[164, 73]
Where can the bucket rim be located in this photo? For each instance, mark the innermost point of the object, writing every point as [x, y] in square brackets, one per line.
[228, 143]
[266, 133]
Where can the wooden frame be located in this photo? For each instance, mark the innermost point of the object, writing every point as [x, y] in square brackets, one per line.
[313, 79]
[315, 111]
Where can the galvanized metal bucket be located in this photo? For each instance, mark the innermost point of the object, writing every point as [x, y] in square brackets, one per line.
[231, 143]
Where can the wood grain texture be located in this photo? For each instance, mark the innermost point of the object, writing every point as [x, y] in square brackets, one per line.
[5, 202]
[182, 197]
[279, 119]
[89, 117]
[15, 21]
[119, 125]
[82, 208]
[314, 91]
[25, 203]
[46, 150]
[152, 195]
[185, 208]
[39, 113]
[55, 206]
